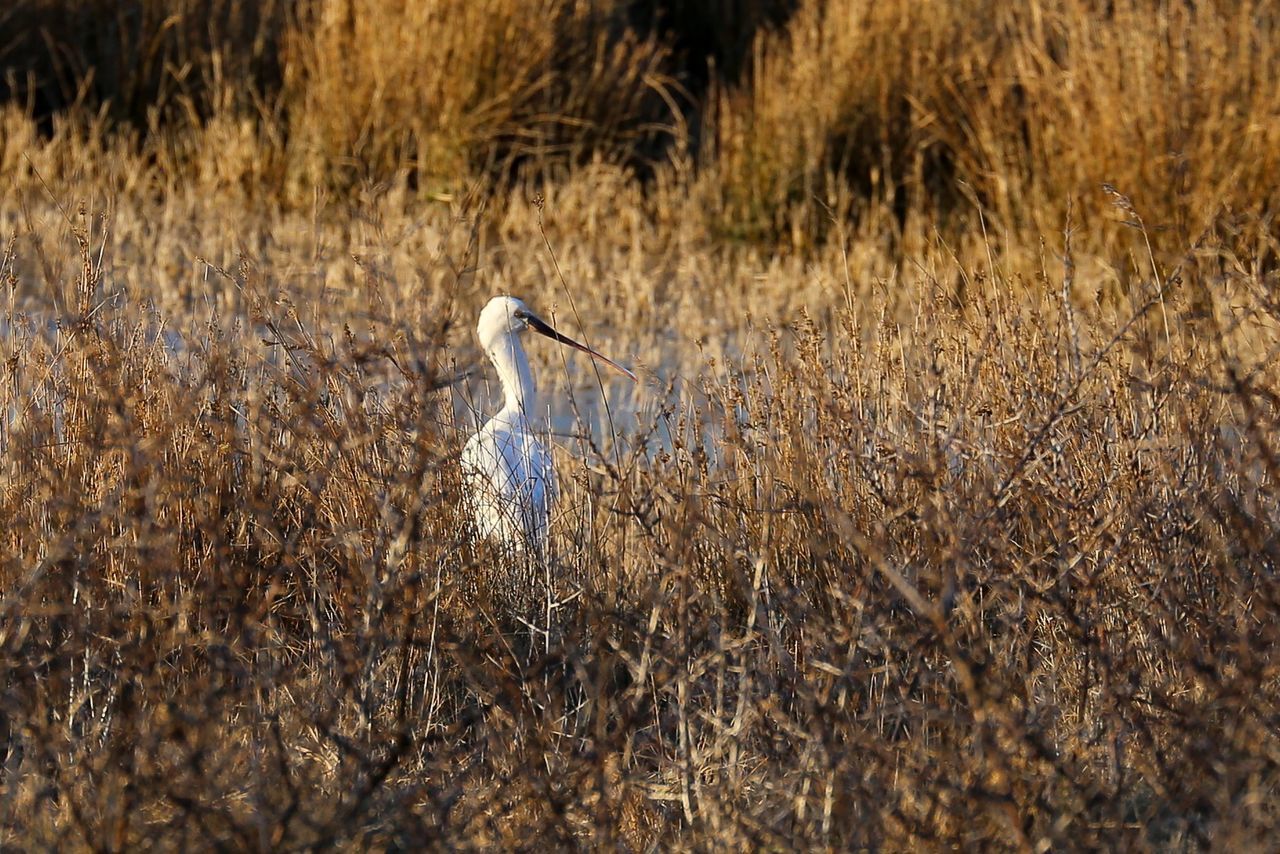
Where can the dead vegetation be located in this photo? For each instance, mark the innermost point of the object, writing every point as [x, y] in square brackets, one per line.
[944, 516]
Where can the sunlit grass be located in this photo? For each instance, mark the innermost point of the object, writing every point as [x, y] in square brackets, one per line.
[943, 515]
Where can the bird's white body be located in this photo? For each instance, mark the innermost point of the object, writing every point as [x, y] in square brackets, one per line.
[508, 475]
[510, 481]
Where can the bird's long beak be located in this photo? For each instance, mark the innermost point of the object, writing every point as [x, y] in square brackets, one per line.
[543, 328]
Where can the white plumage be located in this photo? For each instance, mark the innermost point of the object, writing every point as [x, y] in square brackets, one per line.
[509, 480]
[508, 477]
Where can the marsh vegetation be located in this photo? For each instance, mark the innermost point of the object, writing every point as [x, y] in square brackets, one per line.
[944, 513]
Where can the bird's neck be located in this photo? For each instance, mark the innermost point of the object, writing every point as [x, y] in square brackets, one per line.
[507, 355]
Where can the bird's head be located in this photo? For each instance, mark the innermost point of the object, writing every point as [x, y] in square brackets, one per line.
[505, 316]
[502, 316]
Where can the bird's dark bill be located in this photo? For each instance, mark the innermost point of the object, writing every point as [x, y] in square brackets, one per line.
[543, 328]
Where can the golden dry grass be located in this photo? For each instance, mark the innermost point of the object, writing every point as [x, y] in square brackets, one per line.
[923, 529]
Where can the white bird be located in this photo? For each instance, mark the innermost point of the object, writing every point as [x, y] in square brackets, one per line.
[508, 477]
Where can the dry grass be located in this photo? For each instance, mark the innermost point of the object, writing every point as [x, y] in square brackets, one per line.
[926, 535]
[921, 108]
